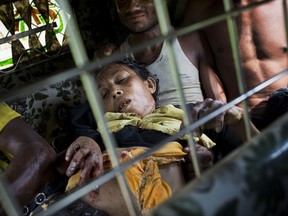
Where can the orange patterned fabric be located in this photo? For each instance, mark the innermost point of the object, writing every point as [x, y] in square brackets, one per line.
[143, 177]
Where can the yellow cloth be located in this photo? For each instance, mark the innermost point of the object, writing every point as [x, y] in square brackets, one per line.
[73, 181]
[6, 115]
[167, 119]
[143, 177]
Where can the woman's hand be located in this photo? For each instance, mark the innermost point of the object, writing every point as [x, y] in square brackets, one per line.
[85, 154]
[205, 158]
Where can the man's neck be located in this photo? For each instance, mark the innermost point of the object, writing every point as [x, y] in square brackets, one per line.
[149, 54]
[138, 38]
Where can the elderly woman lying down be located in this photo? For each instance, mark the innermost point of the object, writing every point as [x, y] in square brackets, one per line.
[129, 94]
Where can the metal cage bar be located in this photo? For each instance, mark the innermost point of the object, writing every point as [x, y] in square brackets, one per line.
[166, 28]
[83, 65]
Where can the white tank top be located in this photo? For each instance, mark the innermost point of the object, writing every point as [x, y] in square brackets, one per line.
[160, 68]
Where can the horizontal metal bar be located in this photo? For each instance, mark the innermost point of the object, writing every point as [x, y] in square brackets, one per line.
[116, 171]
[26, 33]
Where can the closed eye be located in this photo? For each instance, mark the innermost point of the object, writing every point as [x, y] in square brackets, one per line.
[104, 94]
[121, 80]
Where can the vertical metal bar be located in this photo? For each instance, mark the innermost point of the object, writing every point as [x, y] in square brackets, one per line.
[164, 22]
[285, 20]
[80, 58]
[232, 28]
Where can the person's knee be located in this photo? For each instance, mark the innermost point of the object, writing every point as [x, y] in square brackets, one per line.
[45, 155]
[49, 154]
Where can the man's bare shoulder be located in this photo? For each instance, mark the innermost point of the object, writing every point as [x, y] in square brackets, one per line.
[192, 38]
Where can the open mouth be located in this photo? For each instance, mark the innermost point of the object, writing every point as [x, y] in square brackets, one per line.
[123, 105]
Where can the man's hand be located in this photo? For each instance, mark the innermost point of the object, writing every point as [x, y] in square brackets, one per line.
[106, 50]
[84, 153]
[231, 116]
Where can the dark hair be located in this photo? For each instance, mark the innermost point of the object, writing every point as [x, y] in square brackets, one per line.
[140, 69]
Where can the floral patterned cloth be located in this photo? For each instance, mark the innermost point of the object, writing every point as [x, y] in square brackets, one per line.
[46, 110]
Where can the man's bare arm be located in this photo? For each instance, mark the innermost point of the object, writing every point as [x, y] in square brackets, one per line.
[210, 81]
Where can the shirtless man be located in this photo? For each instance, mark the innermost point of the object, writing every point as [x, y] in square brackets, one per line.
[262, 48]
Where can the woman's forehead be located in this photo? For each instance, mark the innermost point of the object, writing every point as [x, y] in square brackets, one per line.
[112, 70]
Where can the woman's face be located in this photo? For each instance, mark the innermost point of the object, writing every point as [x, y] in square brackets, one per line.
[122, 90]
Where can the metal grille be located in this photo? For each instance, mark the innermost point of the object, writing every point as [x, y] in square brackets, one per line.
[83, 68]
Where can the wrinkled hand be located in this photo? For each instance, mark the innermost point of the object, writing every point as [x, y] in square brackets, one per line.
[85, 154]
[106, 50]
[231, 116]
[205, 159]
